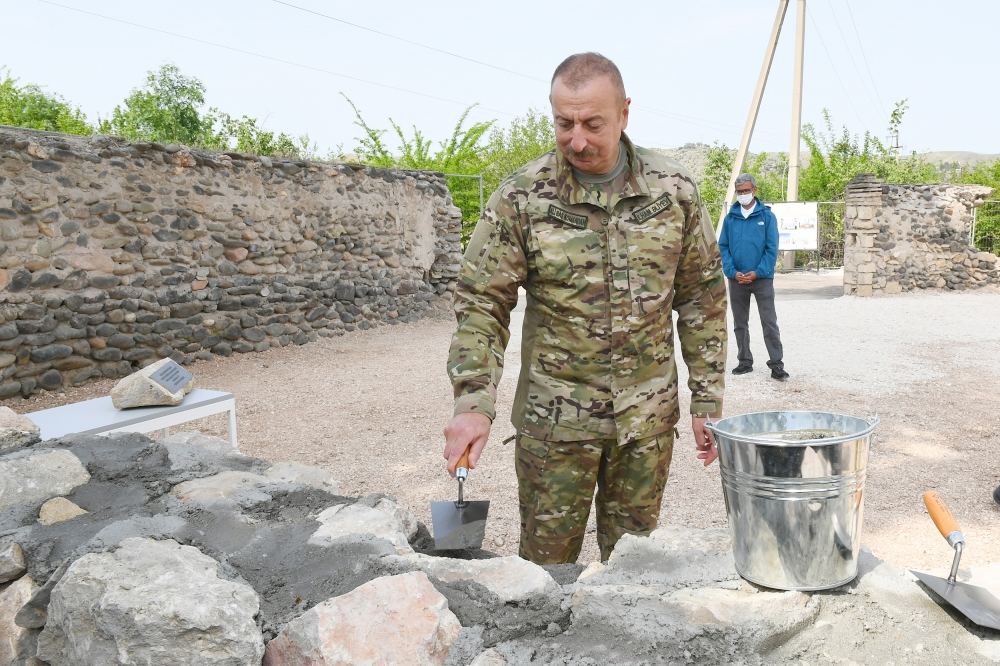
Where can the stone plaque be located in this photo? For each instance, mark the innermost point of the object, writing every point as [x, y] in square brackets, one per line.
[171, 377]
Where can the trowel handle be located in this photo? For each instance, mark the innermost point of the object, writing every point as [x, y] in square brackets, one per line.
[941, 515]
[462, 468]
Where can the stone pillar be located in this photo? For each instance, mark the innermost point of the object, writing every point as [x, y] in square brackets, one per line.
[863, 204]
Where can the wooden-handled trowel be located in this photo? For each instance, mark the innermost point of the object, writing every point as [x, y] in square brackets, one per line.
[976, 603]
[462, 524]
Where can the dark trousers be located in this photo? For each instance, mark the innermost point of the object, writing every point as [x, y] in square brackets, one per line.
[739, 300]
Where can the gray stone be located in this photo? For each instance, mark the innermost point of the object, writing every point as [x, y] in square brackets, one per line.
[31, 477]
[16, 643]
[511, 579]
[491, 657]
[353, 522]
[139, 390]
[16, 429]
[306, 475]
[718, 625]
[150, 602]
[390, 620]
[225, 488]
[670, 556]
[11, 563]
[51, 380]
[50, 353]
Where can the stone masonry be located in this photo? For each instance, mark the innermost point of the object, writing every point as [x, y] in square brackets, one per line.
[116, 254]
[900, 238]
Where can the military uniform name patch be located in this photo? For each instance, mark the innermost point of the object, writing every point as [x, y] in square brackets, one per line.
[578, 221]
[661, 204]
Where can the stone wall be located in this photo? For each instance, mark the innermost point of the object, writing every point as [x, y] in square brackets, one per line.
[115, 254]
[900, 238]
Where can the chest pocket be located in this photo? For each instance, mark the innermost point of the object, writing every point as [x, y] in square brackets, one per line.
[654, 249]
[567, 254]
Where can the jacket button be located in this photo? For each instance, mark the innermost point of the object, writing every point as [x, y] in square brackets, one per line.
[604, 221]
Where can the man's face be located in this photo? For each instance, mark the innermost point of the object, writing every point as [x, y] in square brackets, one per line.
[589, 123]
[744, 189]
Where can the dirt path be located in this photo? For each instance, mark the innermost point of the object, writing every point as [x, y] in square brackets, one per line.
[370, 407]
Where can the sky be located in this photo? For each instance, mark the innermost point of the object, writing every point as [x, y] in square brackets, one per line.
[690, 68]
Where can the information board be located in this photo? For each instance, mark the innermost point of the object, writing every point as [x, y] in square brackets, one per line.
[797, 225]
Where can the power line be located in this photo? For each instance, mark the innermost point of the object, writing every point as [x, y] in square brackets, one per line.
[676, 116]
[864, 58]
[409, 41]
[690, 120]
[850, 52]
[833, 65]
[273, 58]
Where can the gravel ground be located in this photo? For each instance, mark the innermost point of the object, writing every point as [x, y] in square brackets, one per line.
[370, 407]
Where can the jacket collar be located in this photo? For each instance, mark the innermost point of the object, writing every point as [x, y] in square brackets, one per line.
[571, 191]
[735, 209]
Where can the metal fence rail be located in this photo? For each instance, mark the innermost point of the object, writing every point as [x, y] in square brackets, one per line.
[985, 232]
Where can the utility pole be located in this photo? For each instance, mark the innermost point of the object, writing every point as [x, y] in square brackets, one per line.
[788, 258]
[751, 121]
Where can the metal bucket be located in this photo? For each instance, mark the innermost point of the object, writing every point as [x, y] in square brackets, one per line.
[794, 489]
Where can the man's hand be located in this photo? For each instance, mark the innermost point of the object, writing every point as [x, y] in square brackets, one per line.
[704, 441]
[746, 278]
[465, 430]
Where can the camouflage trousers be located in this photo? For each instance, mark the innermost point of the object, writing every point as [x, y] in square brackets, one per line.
[556, 485]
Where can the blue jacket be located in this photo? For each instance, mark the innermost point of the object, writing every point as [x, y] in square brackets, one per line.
[749, 244]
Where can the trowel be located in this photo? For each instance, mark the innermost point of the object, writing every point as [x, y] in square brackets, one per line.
[976, 603]
[462, 524]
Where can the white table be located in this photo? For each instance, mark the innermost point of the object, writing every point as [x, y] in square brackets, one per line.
[99, 416]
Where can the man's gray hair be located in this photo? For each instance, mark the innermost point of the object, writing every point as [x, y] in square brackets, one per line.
[745, 178]
[580, 68]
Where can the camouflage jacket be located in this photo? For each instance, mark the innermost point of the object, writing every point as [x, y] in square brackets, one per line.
[603, 276]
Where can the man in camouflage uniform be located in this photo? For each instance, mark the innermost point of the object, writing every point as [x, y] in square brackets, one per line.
[607, 239]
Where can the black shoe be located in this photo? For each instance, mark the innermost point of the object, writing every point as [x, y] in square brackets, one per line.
[742, 369]
[779, 374]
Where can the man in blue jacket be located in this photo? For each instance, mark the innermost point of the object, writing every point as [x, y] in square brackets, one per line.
[749, 248]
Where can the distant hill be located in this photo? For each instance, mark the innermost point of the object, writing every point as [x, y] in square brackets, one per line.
[954, 158]
[694, 156]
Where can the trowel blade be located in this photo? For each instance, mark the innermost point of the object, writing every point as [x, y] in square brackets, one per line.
[458, 528]
[976, 603]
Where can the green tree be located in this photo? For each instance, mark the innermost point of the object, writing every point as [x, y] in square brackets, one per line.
[509, 148]
[836, 158]
[460, 154]
[988, 216]
[170, 108]
[28, 106]
[715, 179]
[244, 136]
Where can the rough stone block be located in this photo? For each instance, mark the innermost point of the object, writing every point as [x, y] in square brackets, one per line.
[510, 578]
[58, 510]
[11, 563]
[16, 429]
[230, 487]
[356, 521]
[140, 390]
[306, 475]
[15, 642]
[390, 620]
[144, 603]
[32, 477]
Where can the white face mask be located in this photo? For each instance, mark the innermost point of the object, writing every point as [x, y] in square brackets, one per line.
[745, 199]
